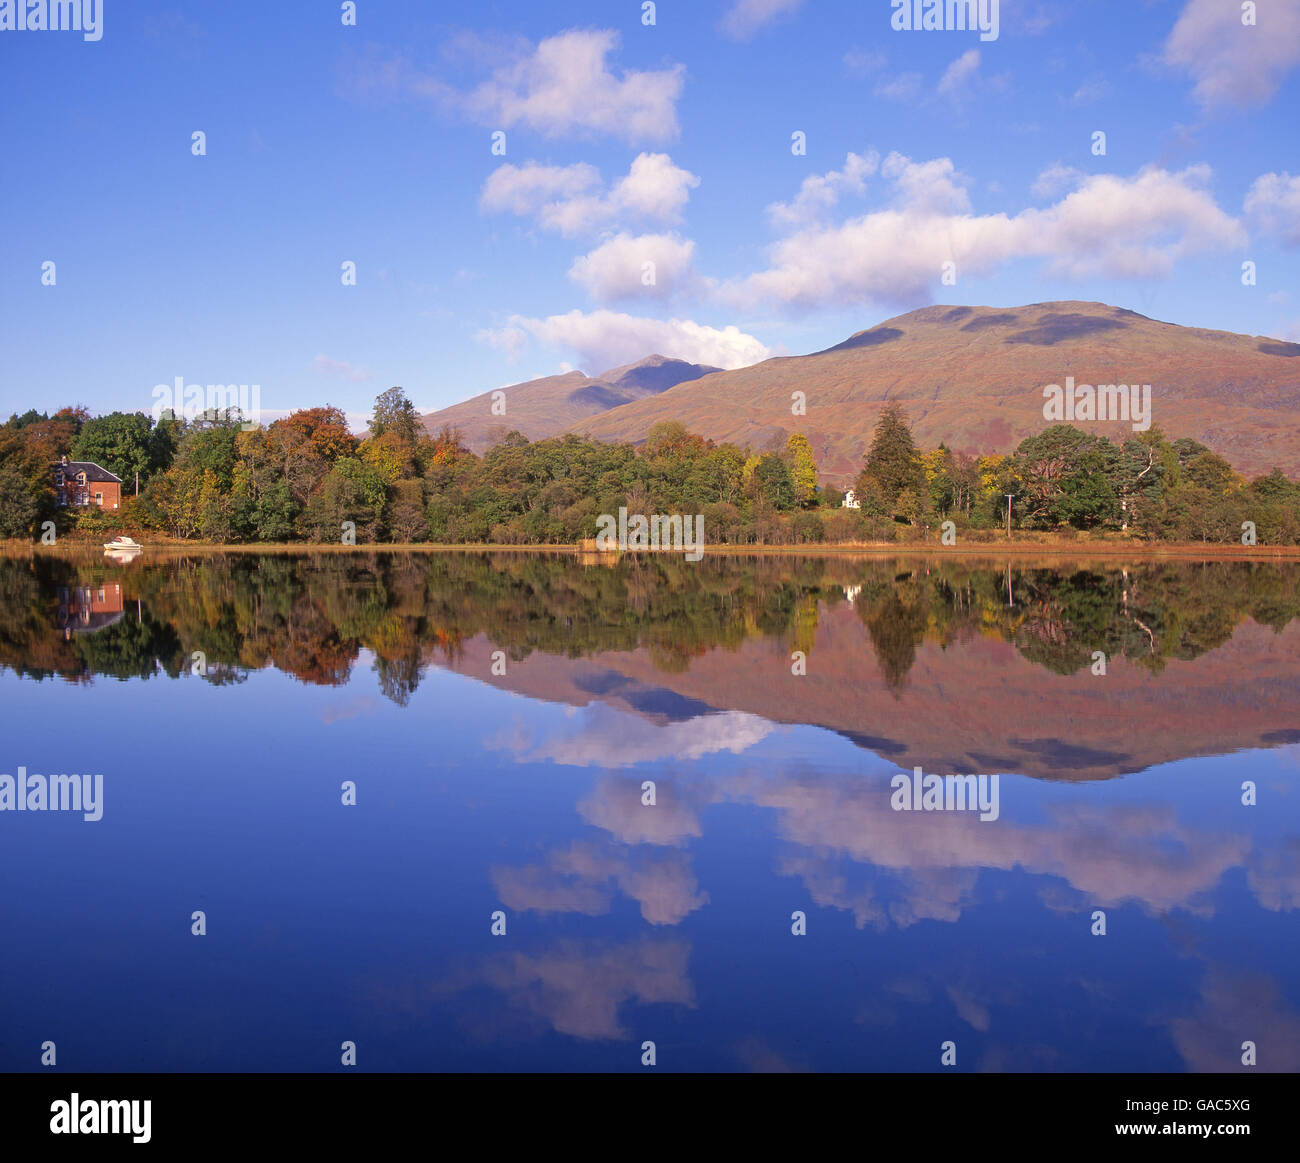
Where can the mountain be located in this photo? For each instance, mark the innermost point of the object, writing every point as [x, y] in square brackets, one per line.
[973, 378]
[545, 407]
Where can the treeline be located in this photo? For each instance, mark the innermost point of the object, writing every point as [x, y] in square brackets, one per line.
[307, 478]
[313, 615]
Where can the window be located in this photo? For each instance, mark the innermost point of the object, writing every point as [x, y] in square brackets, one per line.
[99, 499]
[81, 478]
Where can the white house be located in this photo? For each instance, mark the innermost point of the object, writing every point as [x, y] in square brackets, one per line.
[851, 501]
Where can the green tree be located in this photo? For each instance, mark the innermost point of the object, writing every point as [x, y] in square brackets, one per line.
[774, 483]
[1064, 475]
[893, 463]
[18, 508]
[803, 468]
[395, 413]
[121, 442]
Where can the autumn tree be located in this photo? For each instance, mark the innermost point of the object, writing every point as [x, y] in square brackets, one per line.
[323, 430]
[803, 468]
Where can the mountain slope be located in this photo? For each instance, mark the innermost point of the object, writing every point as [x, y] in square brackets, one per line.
[547, 406]
[973, 378]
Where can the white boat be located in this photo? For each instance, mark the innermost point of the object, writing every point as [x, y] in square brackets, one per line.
[123, 545]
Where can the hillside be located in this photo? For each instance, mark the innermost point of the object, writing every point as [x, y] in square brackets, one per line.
[973, 378]
[547, 406]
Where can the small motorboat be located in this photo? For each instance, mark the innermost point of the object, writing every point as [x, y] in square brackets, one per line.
[123, 545]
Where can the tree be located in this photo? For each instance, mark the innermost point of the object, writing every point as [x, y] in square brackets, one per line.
[1277, 486]
[774, 483]
[18, 508]
[893, 463]
[121, 442]
[672, 439]
[173, 500]
[209, 446]
[1210, 471]
[1138, 472]
[351, 491]
[1064, 474]
[323, 430]
[803, 468]
[406, 517]
[395, 413]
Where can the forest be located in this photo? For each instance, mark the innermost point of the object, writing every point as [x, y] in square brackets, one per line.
[307, 478]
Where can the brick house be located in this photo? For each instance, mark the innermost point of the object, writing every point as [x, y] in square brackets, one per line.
[82, 483]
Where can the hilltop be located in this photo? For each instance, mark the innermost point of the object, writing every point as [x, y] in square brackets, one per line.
[547, 406]
[973, 378]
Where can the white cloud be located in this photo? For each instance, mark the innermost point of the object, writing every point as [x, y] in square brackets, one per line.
[604, 339]
[959, 74]
[1273, 206]
[928, 187]
[1055, 178]
[746, 17]
[571, 200]
[565, 87]
[1233, 63]
[340, 369]
[1092, 91]
[654, 188]
[1031, 19]
[821, 192]
[606, 738]
[1131, 227]
[530, 189]
[510, 339]
[863, 63]
[904, 87]
[1111, 226]
[618, 269]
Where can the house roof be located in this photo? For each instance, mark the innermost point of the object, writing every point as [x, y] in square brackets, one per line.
[90, 468]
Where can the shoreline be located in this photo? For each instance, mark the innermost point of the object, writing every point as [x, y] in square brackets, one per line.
[1079, 549]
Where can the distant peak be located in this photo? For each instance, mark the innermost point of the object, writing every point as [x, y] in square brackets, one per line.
[648, 361]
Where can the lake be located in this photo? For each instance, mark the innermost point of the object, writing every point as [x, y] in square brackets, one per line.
[476, 811]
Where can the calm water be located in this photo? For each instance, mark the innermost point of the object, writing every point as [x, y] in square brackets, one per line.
[500, 717]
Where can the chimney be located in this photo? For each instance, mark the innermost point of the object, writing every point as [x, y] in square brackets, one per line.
[65, 460]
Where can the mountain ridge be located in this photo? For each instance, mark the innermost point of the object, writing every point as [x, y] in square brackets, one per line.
[548, 405]
[973, 378]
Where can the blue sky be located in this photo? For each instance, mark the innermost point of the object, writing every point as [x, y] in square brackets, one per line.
[626, 143]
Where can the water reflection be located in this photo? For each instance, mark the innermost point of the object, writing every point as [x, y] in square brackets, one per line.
[899, 654]
[625, 760]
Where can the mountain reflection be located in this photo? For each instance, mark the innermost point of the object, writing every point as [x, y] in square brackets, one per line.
[649, 770]
[942, 662]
